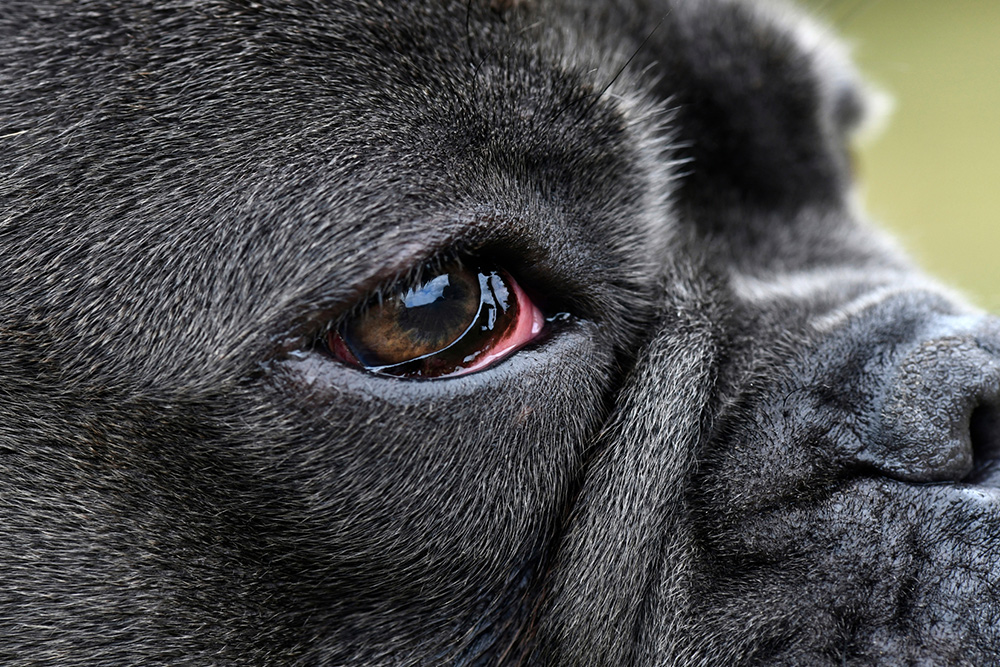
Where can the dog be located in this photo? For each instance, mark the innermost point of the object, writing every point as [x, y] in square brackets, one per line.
[471, 332]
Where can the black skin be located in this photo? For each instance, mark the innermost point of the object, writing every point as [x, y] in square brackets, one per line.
[760, 436]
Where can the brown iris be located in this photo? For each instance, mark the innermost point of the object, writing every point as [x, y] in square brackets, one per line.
[437, 327]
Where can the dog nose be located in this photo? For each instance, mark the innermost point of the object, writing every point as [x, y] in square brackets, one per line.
[937, 417]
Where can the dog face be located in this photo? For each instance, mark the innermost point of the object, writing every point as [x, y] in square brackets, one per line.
[455, 332]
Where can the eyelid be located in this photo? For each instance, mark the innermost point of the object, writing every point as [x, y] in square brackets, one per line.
[383, 287]
[530, 324]
[483, 343]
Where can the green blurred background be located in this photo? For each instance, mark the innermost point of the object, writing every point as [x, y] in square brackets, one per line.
[932, 174]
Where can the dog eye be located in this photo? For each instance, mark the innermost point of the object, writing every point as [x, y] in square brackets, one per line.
[456, 321]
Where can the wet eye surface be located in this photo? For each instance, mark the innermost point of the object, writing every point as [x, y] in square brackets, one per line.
[457, 321]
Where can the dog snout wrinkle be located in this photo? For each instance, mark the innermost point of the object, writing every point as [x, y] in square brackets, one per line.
[759, 437]
[937, 413]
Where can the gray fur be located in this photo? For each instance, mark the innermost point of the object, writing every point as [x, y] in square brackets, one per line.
[762, 437]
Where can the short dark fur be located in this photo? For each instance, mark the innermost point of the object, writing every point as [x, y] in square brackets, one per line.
[760, 438]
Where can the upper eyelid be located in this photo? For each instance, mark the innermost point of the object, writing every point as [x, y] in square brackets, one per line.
[326, 302]
[481, 236]
[395, 284]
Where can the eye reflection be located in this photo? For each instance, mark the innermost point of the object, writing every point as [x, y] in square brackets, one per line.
[455, 322]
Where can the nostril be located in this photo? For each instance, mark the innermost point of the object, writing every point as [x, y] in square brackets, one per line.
[938, 415]
[984, 434]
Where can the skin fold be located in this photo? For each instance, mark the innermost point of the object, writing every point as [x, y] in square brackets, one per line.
[740, 428]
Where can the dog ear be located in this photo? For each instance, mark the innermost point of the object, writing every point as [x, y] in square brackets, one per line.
[764, 102]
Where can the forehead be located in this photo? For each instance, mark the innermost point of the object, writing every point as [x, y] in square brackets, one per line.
[306, 152]
[554, 105]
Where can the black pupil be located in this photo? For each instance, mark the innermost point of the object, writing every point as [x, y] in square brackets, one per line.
[433, 311]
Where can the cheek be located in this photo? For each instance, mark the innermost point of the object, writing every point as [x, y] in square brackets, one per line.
[418, 478]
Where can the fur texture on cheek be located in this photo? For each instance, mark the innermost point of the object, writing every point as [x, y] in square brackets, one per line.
[724, 450]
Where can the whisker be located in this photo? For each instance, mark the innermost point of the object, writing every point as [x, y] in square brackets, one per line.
[628, 62]
[597, 97]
